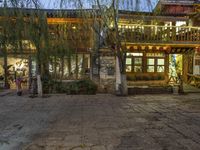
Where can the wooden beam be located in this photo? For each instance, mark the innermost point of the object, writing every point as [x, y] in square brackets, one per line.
[178, 44]
[67, 20]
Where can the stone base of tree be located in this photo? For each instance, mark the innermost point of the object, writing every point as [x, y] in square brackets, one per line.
[107, 74]
[107, 86]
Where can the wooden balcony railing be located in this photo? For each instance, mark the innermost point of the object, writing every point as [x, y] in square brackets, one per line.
[159, 34]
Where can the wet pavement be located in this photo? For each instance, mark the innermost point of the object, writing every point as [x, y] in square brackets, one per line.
[100, 122]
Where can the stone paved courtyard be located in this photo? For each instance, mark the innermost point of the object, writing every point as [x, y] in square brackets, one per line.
[100, 122]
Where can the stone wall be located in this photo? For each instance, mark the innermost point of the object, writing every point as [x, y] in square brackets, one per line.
[107, 74]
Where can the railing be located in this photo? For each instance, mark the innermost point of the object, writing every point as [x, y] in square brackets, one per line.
[159, 34]
[194, 80]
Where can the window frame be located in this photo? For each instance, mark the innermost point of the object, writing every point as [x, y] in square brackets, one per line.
[156, 64]
[133, 65]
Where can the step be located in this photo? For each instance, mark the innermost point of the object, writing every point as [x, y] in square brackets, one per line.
[149, 90]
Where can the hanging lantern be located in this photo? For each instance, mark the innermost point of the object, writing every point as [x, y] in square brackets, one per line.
[131, 48]
[154, 48]
[139, 47]
[168, 50]
[161, 48]
[146, 48]
[198, 50]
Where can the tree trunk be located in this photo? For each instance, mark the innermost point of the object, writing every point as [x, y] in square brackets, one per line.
[30, 72]
[55, 68]
[124, 89]
[62, 68]
[6, 84]
[121, 82]
[38, 70]
[118, 76]
[39, 83]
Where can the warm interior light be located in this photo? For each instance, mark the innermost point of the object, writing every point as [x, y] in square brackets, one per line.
[143, 47]
[150, 47]
[74, 27]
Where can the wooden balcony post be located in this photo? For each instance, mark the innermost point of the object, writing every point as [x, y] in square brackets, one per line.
[198, 34]
[187, 35]
[132, 33]
[173, 33]
[168, 33]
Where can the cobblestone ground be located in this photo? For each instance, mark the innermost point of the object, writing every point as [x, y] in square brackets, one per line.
[100, 122]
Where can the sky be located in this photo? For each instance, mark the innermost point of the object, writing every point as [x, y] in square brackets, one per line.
[144, 5]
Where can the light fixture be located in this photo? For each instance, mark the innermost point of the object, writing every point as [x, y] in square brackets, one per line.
[74, 27]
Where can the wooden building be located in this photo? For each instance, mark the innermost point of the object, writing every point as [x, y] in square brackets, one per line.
[60, 37]
[159, 44]
[162, 44]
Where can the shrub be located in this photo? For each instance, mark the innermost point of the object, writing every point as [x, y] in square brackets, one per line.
[146, 78]
[138, 77]
[73, 87]
[161, 77]
[131, 78]
[85, 87]
[45, 84]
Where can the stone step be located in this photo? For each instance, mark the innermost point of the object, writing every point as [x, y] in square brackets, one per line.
[149, 90]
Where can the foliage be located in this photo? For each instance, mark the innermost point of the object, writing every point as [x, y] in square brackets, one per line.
[71, 87]
[33, 35]
[63, 39]
[149, 77]
[47, 83]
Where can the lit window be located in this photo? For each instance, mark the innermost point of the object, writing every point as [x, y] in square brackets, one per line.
[128, 68]
[138, 61]
[134, 62]
[180, 23]
[150, 69]
[150, 65]
[150, 61]
[155, 54]
[137, 68]
[128, 61]
[160, 62]
[128, 64]
[161, 65]
[134, 54]
[160, 68]
[137, 64]
[155, 62]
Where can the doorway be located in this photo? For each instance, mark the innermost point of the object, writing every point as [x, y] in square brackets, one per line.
[17, 67]
[175, 68]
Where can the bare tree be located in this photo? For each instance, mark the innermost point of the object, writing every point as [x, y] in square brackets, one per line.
[106, 16]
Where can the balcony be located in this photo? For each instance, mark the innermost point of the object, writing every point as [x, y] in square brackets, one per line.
[160, 34]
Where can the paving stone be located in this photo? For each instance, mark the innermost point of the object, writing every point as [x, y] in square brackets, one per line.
[100, 122]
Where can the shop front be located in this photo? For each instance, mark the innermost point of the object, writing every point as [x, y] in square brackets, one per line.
[74, 67]
[147, 67]
[17, 67]
[159, 66]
